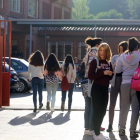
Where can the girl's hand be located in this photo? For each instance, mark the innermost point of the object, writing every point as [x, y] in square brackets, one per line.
[115, 64]
[108, 72]
[30, 80]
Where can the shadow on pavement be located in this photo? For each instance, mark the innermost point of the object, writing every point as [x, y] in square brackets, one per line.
[22, 120]
[19, 95]
[61, 119]
[86, 137]
[45, 118]
[112, 136]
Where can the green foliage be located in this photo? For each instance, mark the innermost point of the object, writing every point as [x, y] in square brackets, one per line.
[111, 14]
[80, 9]
[134, 8]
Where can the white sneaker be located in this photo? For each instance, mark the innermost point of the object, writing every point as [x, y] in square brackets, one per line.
[52, 109]
[91, 133]
[86, 132]
[100, 137]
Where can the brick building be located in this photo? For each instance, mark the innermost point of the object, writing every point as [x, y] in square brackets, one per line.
[32, 9]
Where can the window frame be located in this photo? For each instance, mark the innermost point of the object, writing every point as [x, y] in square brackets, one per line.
[36, 12]
[18, 6]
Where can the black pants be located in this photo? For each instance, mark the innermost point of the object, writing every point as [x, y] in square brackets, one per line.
[99, 101]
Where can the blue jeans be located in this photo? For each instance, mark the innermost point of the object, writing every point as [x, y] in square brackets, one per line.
[37, 84]
[88, 116]
[51, 89]
[69, 95]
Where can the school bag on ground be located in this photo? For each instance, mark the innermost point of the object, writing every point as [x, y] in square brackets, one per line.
[135, 83]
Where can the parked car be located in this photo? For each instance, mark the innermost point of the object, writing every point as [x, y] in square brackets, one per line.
[14, 80]
[21, 67]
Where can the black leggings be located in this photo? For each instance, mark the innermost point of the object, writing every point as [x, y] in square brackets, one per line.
[99, 101]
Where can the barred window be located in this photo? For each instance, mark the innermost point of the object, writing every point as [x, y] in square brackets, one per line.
[33, 8]
[16, 6]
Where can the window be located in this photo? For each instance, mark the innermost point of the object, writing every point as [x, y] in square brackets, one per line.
[81, 50]
[16, 66]
[60, 49]
[66, 15]
[16, 6]
[33, 8]
[1, 3]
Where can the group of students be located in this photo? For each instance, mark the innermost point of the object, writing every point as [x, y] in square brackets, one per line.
[53, 72]
[100, 68]
[119, 72]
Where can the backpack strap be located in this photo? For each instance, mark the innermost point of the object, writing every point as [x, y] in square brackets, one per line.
[97, 64]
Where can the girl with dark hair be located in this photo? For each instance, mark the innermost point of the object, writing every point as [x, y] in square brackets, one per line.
[92, 48]
[69, 70]
[128, 62]
[35, 72]
[52, 73]
[115, 83]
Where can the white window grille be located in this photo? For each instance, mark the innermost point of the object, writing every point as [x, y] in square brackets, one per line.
[33, 8]
[16, 6]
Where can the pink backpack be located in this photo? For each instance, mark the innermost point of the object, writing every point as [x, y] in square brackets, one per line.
[135, 83]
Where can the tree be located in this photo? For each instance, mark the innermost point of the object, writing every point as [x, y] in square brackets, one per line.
[111, 14]
[134, 8]
[80, 9]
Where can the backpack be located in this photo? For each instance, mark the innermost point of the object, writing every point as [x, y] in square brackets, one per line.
[51, 80]
[65, 85]
[135, 83]
[87, 84]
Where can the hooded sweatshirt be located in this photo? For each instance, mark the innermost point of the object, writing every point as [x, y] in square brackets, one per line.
[129, 63]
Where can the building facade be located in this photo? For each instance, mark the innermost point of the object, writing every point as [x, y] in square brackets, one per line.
[32, 9]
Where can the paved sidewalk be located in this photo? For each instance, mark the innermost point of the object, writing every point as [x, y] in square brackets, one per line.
[25, 101]
[43, 125]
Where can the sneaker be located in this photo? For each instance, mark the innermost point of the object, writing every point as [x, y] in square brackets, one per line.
[133, 134]
[48, 106]
[34, 110]
[121, 132]
[40, 106]
[109, 128]
[102, 129]
[52, 109]
[91, 133]
[100, 137]
[86, 132]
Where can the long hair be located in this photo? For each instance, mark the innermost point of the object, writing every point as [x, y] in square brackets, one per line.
[108, 51]
[91, 42]
[133, 43]
[36, 59]
[124, 44]
[68, 60]
[52, 63]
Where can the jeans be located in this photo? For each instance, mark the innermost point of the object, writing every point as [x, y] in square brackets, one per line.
[128, 97]
[88, 116]
[99, 95]
[37, 84]
[69, 95]
[51, 89]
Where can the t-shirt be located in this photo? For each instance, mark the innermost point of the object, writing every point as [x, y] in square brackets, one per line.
[77, 67]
